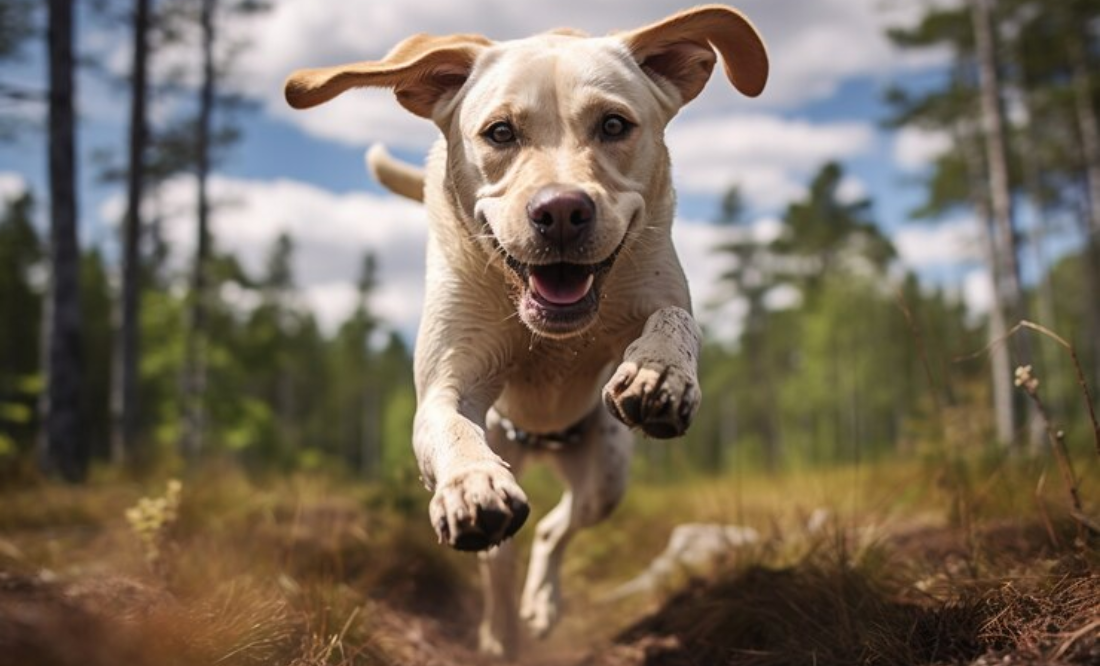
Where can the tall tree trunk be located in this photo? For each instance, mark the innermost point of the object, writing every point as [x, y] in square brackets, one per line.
[66, 449]
[996, 154]
[1089, 129]
[1037, 235]
[124, 400]
[195, 425]
[1087, 124]
[1004, 407]
[1006, 253]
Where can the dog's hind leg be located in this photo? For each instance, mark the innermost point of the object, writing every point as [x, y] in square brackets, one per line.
[595, 471]
[499, 631]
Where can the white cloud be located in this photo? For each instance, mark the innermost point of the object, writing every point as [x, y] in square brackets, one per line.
[767, 230]
[695, 243]
[761, 231]
[331, 233]
[813, 48]
[977, 291]
[332, 302]
[851, 190]
[769, 157]
[916, 148]
[12, 185]
[361, 120]
[716, 305]
[952, 255]
[948, 243]
[783, 297]
[725, 322]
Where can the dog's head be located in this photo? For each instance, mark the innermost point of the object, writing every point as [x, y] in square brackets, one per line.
[555, 143]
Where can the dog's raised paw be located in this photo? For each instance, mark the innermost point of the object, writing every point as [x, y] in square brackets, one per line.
[659, 399]
[478, 507]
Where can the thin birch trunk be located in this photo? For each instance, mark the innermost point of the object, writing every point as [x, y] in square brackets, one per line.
[195, 418]
[996, 157]
[1004, 407]
[1000, 191]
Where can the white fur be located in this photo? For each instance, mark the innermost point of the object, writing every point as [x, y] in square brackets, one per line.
[483, 355]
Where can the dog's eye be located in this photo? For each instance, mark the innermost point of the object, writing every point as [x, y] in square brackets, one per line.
[501, 133]
[614, 127]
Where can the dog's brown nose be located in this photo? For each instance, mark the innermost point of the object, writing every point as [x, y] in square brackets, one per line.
[561, 214]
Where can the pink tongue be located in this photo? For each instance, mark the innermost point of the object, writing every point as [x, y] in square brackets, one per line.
[561, 288]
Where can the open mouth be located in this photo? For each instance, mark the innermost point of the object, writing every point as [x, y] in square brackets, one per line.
[562, 298]
[560, 285]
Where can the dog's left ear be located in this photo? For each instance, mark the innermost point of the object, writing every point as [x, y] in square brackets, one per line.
[680, 50]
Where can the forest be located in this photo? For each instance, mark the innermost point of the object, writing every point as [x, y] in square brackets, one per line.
[852, 386]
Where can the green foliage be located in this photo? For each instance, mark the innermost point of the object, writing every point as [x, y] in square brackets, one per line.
[830, 230]
[280, 393]
[859, 365]
[97, 350]
[1046, 58]
[21, 255]
[839, 376]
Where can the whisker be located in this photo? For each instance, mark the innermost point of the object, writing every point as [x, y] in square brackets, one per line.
[513, 315]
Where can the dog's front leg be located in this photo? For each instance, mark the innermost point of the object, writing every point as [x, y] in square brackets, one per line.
[477, 503]
[656, 387]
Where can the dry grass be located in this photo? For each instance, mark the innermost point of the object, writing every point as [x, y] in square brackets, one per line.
[919, 564]
[297, 572]
[911, 601]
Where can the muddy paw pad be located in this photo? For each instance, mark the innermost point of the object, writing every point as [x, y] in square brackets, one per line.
[478, 509]
[659, 400]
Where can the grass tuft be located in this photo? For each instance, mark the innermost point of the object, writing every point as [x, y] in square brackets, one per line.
[915, 565]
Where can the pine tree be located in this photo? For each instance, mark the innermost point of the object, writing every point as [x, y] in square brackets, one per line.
[66, 450]
[128, 343]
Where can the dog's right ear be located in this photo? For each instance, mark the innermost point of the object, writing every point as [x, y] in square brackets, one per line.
[421, 70]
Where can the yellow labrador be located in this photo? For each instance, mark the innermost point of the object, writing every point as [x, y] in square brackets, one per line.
[557, 315]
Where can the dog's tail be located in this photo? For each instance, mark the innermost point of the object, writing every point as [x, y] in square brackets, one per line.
[396, 176]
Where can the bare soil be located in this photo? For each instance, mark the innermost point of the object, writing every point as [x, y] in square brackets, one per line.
[826, 609]
[307, 576]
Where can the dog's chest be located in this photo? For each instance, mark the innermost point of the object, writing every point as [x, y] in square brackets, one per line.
[553, 387]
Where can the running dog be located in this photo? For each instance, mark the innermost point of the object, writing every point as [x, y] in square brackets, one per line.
[557, 316]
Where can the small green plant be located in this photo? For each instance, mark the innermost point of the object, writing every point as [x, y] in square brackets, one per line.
[152, 518]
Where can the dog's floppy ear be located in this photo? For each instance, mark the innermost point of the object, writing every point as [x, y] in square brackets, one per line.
[680, 49]
[421, 70]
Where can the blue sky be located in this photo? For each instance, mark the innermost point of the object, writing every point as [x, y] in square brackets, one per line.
[302, 172]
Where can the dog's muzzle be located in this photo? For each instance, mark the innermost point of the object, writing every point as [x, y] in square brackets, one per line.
[560, 299]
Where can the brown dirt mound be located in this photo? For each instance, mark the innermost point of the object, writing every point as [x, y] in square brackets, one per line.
[829, 612]
[808, 614]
